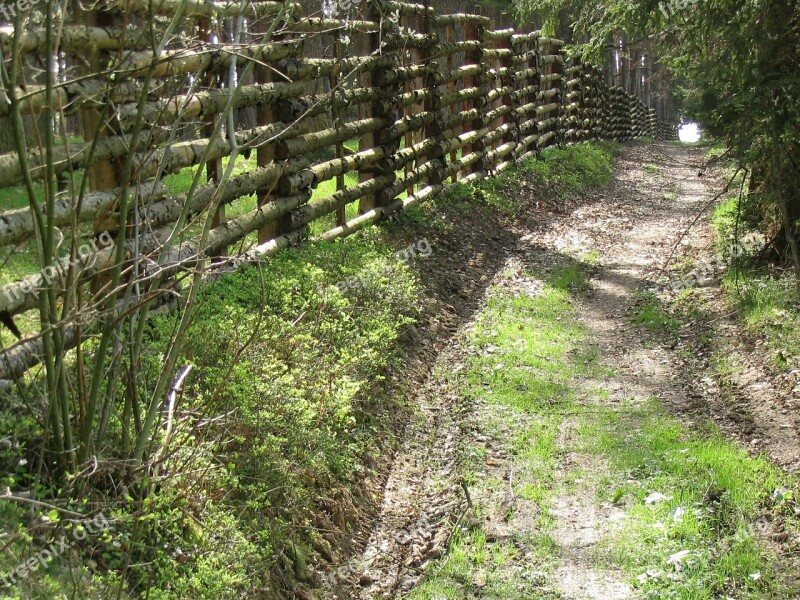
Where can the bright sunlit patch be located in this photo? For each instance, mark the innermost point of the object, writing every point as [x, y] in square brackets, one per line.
[689, 133]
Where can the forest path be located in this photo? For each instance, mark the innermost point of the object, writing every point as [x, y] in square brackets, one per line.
[517, 487]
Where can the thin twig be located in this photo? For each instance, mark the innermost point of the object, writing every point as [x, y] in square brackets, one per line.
[173, 394]
[695, 220]
[22, 500]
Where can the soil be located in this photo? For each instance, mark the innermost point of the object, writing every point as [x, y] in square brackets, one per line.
[633, 226]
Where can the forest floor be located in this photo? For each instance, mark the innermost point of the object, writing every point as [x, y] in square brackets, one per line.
[589, 429]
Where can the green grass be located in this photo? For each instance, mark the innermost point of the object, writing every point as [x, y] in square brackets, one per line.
[767, 304]
[21, 260]
[326, 188]
[291, 369]
[697, 540]
[181, 181]
[305, 392]
[531, 355]
[715, 150]
[764, 294]
[725, 368]
[723, 220]
[571, 278]
[651, 168]
[568, 171]
[592, 257]
[475, 569]
[573, 169]
[576, 168]
[528, 349]
[650, 313]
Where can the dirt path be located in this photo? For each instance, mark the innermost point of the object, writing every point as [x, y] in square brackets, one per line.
[632, 232]
[636, 234]
[633, 235]
[629, 232]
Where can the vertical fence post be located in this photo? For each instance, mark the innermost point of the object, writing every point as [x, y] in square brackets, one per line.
[214, 166]
[407, 59]
[450, 38]
[506, 81]
[265, 153]
[591, 99]
[608, 96]
[432, 102]
[573, 101]
[525, 97]
[384, 107]
[103, 174]
[474, 56]
[653, 123]
[604, 96]
[336, 113]
[519, 65]
[365, 46]
[558, 69]
[631, 115]
[550, 64]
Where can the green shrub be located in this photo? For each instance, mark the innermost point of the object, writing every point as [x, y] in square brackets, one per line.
[291, 364]
[568, 171]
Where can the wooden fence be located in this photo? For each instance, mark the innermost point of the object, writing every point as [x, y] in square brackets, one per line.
[400, 104]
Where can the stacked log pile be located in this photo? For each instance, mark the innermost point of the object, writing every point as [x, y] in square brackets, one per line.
[667, 131]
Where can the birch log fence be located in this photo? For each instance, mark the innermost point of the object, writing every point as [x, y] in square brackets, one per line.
[414, 103]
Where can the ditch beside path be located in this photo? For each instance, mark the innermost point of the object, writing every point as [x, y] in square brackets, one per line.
[563, 449]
